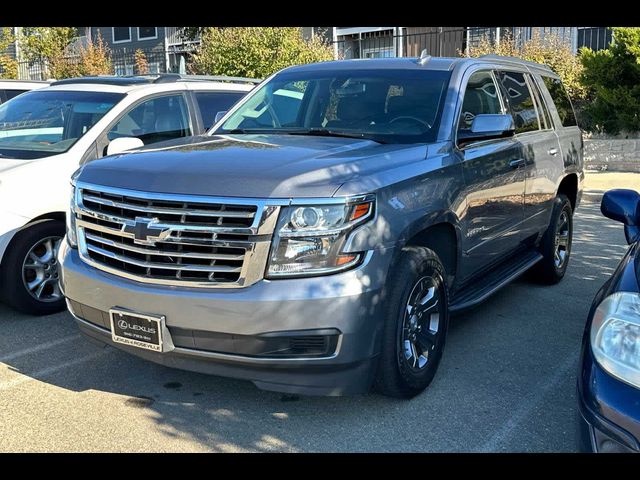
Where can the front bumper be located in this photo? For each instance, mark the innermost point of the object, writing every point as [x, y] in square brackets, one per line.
[609, 418]
[210, 328]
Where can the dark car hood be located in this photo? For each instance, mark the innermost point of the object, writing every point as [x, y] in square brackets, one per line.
[259, 166]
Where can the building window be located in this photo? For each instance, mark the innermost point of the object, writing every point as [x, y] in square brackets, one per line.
[154, 67]
[147, 33]
[121, 34]
[124, 69]
[595, 38]
[378, 52]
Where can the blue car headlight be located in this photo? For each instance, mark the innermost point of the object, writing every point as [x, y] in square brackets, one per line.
[615, 336]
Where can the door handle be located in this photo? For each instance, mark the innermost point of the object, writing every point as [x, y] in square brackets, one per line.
[552, 151]
[516, 163]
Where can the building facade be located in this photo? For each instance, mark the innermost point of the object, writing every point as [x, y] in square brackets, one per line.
[377, 42]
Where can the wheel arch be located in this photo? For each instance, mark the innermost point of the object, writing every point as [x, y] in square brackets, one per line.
[569, 187]
[58, 216]
[440, 233]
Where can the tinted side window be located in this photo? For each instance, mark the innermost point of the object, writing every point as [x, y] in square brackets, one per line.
[211, 103]
[13, 93]
[480, 97]
[545, 117]
[520, 101]
[156, 120]
[561, 99]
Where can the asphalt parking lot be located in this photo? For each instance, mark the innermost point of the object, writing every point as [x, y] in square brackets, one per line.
[506, 382]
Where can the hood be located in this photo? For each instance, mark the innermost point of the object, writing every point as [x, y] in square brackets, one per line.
[259, 166]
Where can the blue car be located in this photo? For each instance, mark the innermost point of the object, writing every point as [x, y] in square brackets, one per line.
[609, 375]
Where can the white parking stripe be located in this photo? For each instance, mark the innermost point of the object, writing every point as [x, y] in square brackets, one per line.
[27, 377]
[527, 407]
[37, 348]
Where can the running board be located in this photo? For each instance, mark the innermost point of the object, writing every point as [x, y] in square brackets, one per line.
[493, 281]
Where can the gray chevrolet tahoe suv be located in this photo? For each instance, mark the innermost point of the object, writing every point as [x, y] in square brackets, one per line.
[318, 239]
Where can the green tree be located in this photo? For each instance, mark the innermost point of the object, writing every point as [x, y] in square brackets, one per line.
[45, 43]
[255, 52]
[612, 79]
[8, 65]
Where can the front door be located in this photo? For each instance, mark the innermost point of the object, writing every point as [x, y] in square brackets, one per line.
[494, 177]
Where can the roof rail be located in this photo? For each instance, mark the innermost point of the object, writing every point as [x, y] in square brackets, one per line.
[520, 61]
[128, 80]
[176, 77]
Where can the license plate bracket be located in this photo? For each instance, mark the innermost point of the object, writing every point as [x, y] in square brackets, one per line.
[137, 329]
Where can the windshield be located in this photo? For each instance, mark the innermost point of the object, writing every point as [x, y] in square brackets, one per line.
[43, 123]
[384, 105]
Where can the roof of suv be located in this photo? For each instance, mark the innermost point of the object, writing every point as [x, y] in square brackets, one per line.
[425, 63]
[125, 84]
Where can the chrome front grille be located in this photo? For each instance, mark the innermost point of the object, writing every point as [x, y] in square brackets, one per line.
[174, 239]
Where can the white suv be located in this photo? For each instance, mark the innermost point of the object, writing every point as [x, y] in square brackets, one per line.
[46, 134]
[13, 88]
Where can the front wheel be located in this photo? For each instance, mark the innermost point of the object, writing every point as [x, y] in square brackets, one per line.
[416, 320]
[29, 276]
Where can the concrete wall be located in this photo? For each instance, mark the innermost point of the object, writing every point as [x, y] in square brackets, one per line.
[612, 154]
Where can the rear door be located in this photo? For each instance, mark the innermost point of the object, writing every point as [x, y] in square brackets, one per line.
[567, 129]
[534, 130]
[494, 177]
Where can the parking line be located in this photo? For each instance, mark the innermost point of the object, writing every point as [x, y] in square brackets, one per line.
[37, 348]
[526, 408]
[27, 377]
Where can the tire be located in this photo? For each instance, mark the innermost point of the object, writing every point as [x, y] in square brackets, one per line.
[40, 239]
[548, 270]
[398, 375]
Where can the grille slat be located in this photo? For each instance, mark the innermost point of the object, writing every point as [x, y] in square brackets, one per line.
[166, 253]
[206, 244]
[162, 266]
[169, 210]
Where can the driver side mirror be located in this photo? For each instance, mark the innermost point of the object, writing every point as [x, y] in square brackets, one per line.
[624, 206]
[488, 126]
[122, 144]
[219, 116]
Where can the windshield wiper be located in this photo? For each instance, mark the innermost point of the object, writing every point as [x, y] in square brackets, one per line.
[325, 132]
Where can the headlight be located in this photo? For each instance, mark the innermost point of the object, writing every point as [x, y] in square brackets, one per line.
[309, 238]
[615, 336]
[72, 238]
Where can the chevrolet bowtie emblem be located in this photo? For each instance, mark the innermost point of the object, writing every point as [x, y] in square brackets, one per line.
[145, 232]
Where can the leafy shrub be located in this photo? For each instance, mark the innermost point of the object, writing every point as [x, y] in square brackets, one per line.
[612, 81]
[94, 59]
[142, 65]
[255, 52]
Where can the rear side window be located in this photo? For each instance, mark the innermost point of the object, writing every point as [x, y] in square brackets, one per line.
[561, 99]
[13, 93]
[545, 117]
[211, 103]
[520, 101]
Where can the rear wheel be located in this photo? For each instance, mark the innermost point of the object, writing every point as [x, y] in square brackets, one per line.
[416, 320]
[30, 269]
[556, 243]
